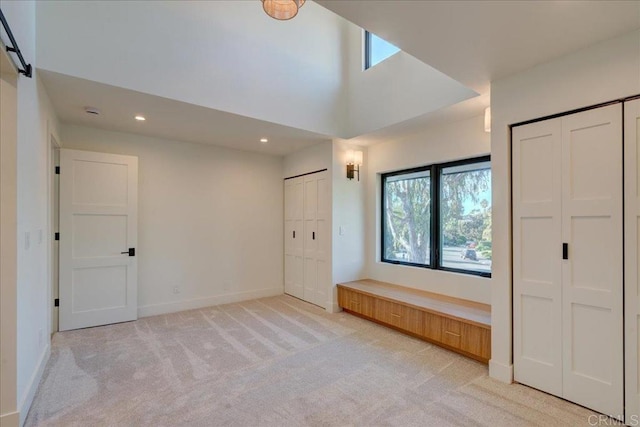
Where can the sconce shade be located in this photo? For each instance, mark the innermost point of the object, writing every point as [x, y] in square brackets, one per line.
[487, 119]
[354, 161]
[282, 10]
[357, 158]
[354, 157]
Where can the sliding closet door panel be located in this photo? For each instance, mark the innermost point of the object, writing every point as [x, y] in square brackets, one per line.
[316, 238]
[592, 275]
[537, 255]
[323, 237]
[293, 237]
[632, 258]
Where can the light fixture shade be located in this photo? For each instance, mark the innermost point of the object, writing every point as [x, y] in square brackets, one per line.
[357, 158]
[487, 119]
[282, 10]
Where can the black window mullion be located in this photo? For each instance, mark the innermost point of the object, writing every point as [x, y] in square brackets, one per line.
[435, 202]
[383, 217]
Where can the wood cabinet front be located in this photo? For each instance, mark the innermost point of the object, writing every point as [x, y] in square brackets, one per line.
[476, 340]
[451, 333]
[400, 316]
[454, 332]
[356, 302]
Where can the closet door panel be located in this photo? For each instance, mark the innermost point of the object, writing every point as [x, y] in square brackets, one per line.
[592, 275]
[316, 238]
[293, 237]
[537, 255]
[632, 258]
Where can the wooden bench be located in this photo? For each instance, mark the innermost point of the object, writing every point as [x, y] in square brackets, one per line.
[456, 324]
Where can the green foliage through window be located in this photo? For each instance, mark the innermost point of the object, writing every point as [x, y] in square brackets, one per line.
[407, 225]
[445, 206]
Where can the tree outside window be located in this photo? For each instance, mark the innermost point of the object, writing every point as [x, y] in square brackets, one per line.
[451, 213]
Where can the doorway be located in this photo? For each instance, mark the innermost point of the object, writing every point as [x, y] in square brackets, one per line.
[54, 197]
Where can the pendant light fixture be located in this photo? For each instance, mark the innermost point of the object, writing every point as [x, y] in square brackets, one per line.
[282, 10]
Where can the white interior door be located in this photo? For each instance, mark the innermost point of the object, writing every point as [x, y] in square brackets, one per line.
[632, 258]
[537, 255]
[98, 222]
[316, 238]
[293, 237]
[592, 276]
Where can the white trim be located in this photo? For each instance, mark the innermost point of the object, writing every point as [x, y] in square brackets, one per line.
[51, 228]
[172, 307]
[500, 371]
[333, 307]
[32, 386]
[11, 419]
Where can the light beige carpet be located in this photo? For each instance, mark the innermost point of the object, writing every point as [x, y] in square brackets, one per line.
[274, 362]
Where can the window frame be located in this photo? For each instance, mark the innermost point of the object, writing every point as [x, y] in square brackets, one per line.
[435, 236]
[367, 50]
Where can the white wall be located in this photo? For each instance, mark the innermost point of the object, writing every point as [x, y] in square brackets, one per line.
[8, 246]
[348, 211]
[226, 55]
[311, 159]
[397, 89]
[600, 73]
[453, 141]
[36, 121]
[210, 220]
[229, 55]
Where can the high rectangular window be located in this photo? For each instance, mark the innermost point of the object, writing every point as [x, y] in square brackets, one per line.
[443, 206]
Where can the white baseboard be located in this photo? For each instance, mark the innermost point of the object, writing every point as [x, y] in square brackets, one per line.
[172, 307]
[500, 371]
[32, 386]
[333, 307]
[11, 419]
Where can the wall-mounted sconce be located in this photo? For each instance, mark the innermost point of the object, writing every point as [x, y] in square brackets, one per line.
[487, 119]
[354, 161]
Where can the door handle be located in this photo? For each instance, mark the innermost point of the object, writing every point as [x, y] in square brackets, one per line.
[565, 251]
[130, 252]
[294, 234]
[313, 235]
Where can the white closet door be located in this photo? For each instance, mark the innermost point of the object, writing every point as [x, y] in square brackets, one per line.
[537, 276]
[293, 237]
[316, 238]
[592, 275]
[632, 258]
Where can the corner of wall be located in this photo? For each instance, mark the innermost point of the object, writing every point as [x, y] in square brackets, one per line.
[32, 385]
[500, 371]
[348, 212]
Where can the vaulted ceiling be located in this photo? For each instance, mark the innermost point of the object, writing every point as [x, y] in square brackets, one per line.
[475, 42]
[223, 73]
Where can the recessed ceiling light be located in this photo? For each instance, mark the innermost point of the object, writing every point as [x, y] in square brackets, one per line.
[140, 118]
[264, 140]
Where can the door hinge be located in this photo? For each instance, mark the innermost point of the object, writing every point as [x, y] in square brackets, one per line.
[57, 170]
[56, 236]
[56, 302]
